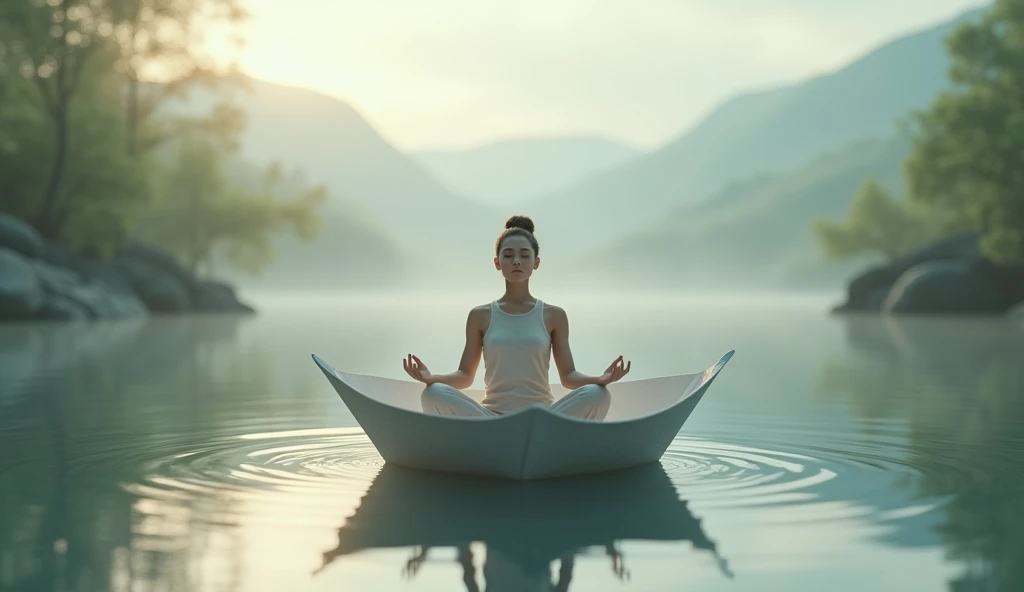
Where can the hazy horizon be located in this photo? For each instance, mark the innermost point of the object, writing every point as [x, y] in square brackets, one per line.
[428, 81]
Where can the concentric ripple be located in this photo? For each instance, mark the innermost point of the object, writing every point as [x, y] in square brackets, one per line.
[319, 467]
[294, 461]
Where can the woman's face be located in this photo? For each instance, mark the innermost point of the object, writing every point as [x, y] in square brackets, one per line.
[516, 259]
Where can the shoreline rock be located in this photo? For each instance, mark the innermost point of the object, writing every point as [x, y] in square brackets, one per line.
[41, 280]
[948, 277]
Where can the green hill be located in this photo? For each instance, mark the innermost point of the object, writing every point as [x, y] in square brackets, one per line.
[756, 233]
[763, 132]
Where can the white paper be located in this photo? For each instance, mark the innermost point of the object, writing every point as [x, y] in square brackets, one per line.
[531, 443]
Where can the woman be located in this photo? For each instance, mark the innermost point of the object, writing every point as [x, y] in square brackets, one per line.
[517, 336]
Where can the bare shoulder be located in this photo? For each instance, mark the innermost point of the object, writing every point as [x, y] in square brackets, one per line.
[555, 316]
[480, 315]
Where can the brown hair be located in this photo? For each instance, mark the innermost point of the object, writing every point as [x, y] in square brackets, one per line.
[518, 225]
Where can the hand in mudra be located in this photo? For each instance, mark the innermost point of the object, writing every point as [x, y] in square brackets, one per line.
[417, 369]
[617, 370]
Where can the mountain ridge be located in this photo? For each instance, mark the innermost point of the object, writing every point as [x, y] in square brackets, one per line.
[520, 168]
[763, 131]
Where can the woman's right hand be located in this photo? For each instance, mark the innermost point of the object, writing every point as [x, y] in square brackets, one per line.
[415, 368]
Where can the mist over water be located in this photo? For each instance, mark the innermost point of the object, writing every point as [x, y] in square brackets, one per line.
[207, 453]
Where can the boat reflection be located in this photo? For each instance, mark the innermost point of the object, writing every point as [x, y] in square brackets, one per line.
[524, 526]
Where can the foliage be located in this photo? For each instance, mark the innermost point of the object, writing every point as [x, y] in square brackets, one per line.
[88, 138]
[970, 142]
[877, 223]
[104, 184]
[199, 213]
[165, 40]
[99, 183]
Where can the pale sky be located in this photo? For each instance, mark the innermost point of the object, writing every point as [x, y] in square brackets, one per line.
[455, 73]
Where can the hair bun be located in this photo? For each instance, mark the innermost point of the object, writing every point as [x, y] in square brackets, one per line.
[523, 222]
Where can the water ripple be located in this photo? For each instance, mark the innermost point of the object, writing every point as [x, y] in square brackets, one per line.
[320, 465]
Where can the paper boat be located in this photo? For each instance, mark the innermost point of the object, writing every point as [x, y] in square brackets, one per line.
[530, 443]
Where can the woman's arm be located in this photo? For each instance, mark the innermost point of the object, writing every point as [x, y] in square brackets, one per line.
[463, 377]
[570, 377]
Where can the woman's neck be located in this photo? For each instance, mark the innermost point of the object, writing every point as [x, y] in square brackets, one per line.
[517, 292]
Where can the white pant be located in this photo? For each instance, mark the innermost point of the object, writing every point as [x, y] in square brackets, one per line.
[587, 402]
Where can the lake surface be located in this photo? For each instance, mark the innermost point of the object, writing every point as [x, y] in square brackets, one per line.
[211, 454]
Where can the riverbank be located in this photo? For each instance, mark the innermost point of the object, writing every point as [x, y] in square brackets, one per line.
[948, 277]
[42, 280]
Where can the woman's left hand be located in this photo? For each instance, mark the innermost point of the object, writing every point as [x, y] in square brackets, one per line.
[615, 371]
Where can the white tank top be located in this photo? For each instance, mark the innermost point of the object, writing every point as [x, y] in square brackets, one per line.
[517, 356]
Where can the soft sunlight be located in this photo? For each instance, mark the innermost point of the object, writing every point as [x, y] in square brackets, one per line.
[454, 73]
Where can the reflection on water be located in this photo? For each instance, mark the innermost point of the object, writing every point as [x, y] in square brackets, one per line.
[965, 429]
[203, 454]
[524, 527]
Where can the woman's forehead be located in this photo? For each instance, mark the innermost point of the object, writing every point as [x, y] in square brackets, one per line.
[516, 242]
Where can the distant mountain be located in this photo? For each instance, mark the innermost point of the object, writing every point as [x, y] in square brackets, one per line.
[516, 169]
[756, 233]
[756, 133]
[376, 190]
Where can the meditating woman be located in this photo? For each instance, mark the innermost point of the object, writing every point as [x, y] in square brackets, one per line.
[517, 335]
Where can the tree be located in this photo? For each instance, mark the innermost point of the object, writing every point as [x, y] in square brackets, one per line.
[22, 130]
[199, 213]
[969, 145]
[877, 223]
[101, 185]
[52, 43]
[164, 41]
[104, 185]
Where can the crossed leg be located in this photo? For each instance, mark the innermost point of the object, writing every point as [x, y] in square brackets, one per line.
[443, 399]
[587, 402]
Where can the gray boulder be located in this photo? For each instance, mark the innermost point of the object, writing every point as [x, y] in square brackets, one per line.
[161, 291]
[61, 308]
[70, 297]
[946, 288]
[867, 291]
[21, 294]
[166, 286]
[158, 260]
[213, 296]
[19, 237]
[103, 301]
[43, 280]
[59, 256]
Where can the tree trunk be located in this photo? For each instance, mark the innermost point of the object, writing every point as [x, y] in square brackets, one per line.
[132, 116]
[47, 222]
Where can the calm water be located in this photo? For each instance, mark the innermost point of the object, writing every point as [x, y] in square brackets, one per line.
[211, 454]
